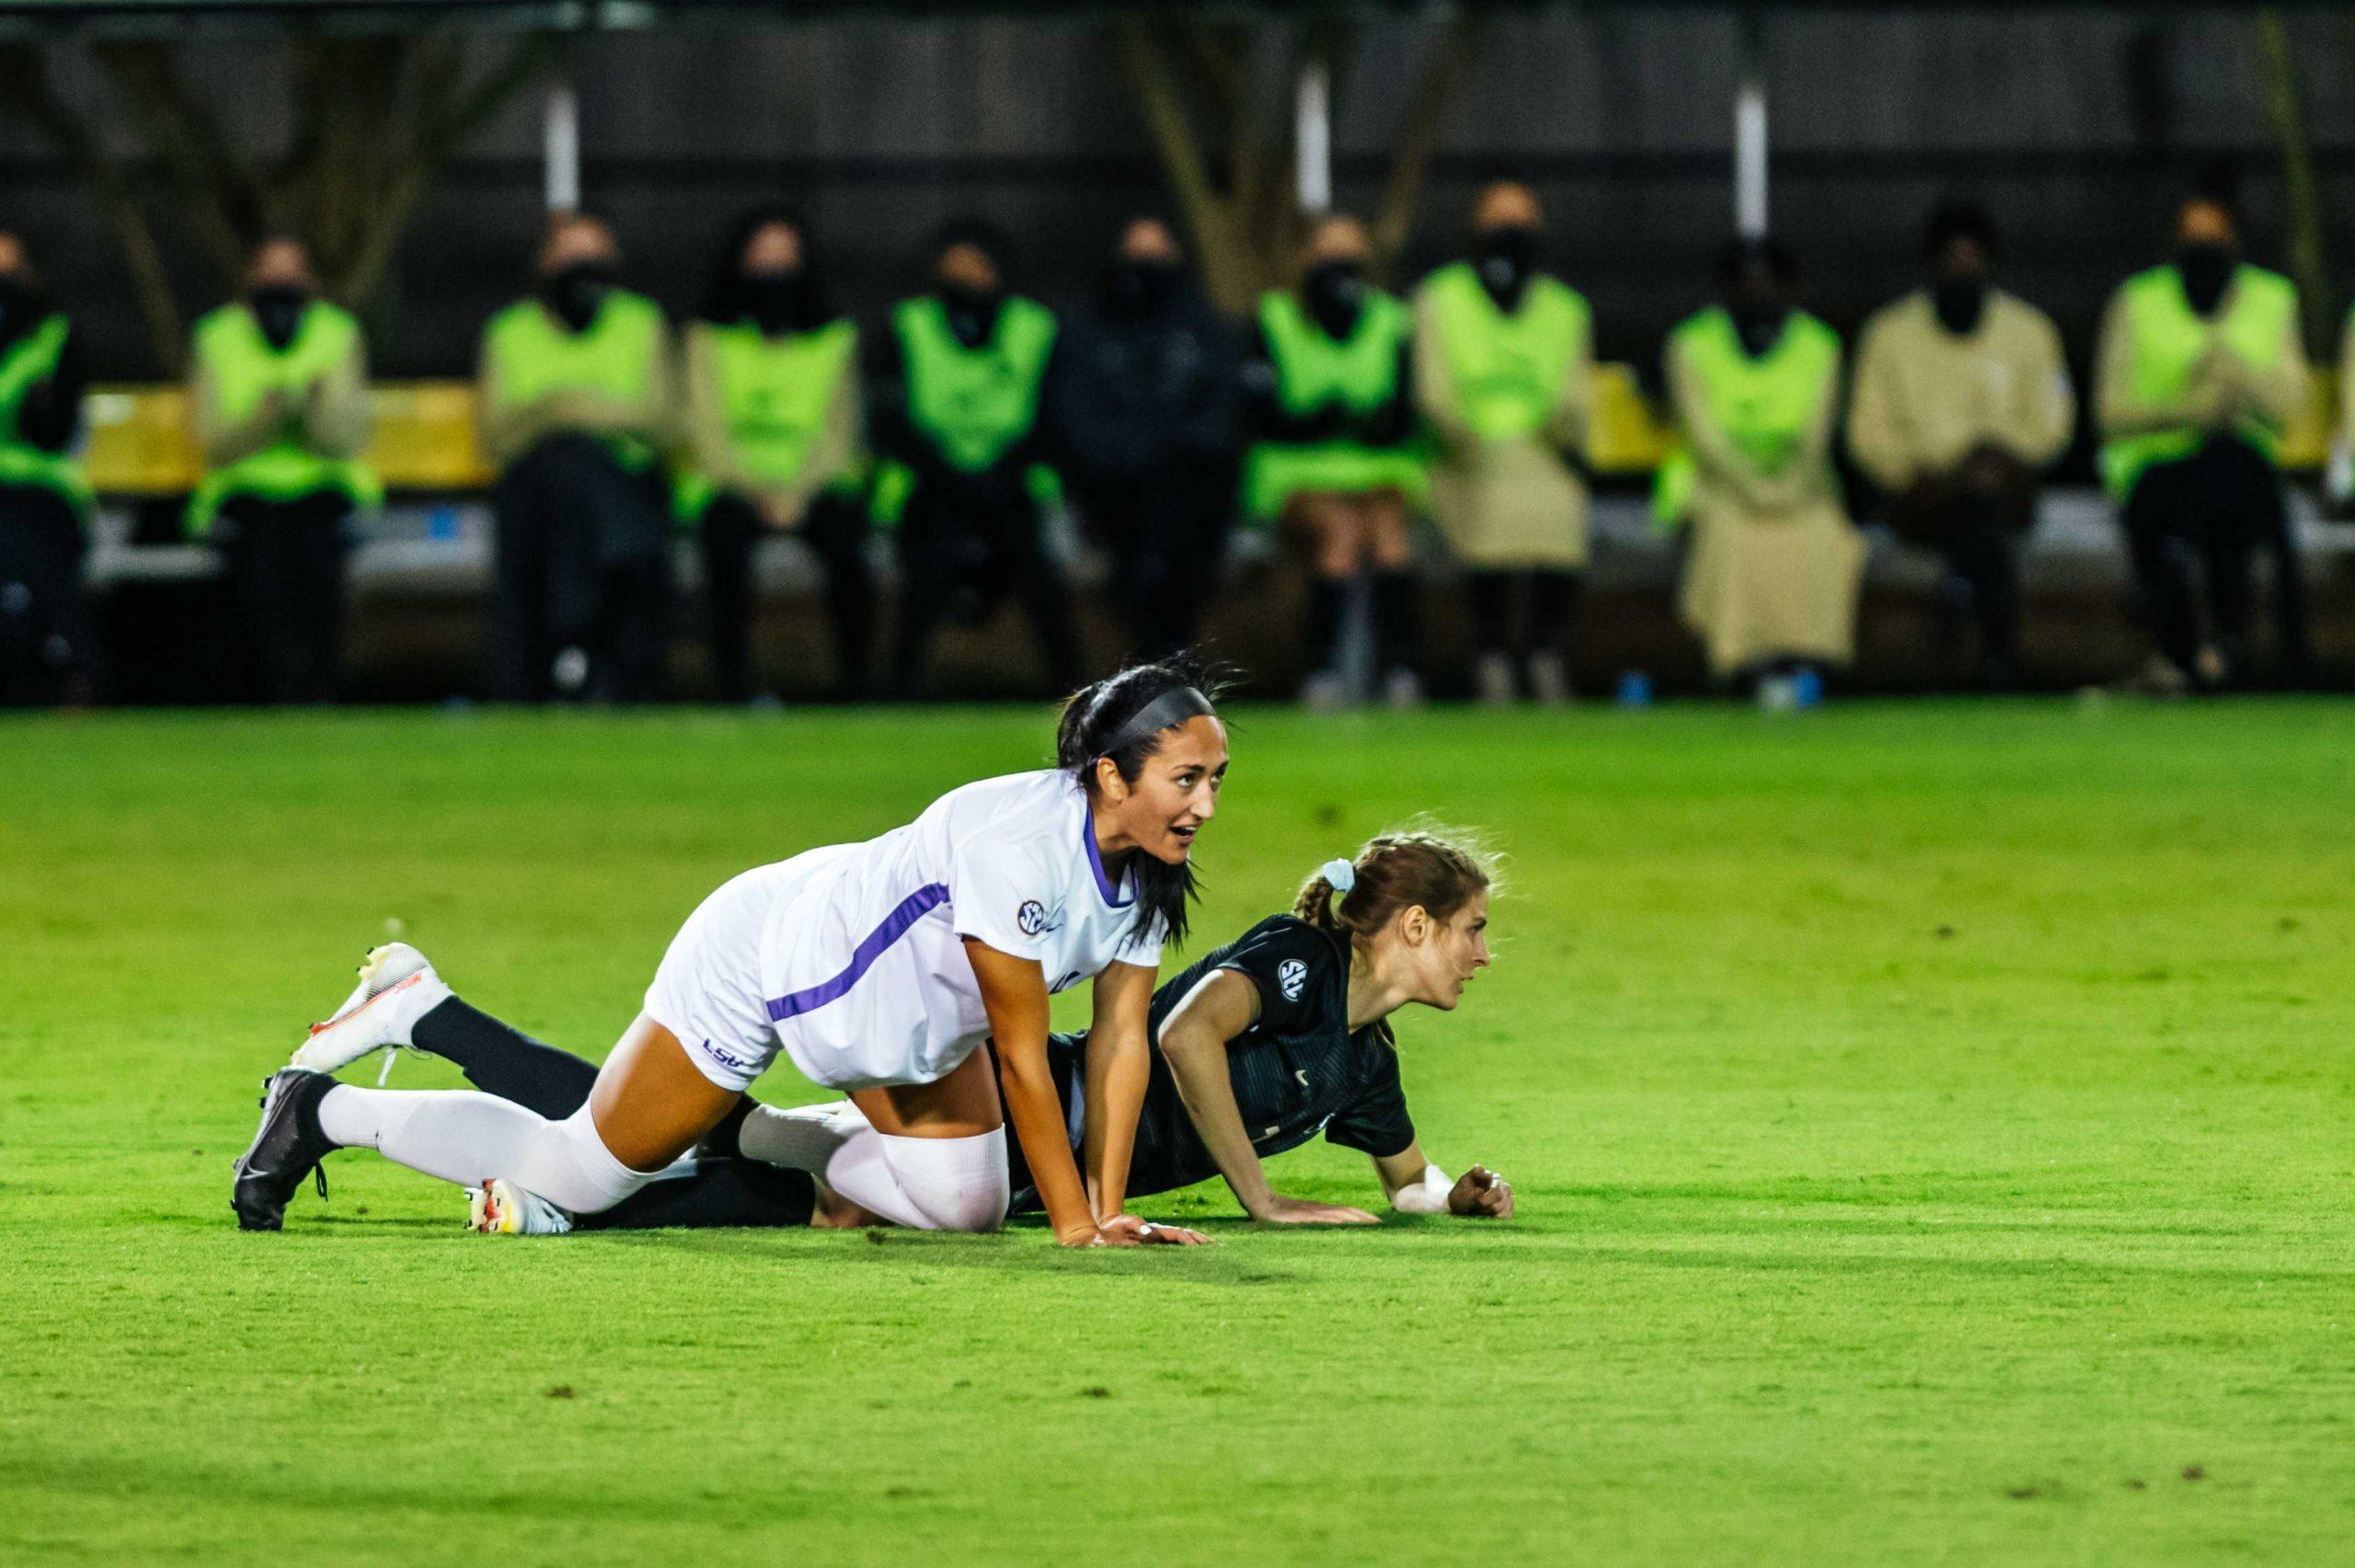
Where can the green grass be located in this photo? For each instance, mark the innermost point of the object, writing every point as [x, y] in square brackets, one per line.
[1933, 1127]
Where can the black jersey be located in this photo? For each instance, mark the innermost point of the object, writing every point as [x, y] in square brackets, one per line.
[1296, 1071]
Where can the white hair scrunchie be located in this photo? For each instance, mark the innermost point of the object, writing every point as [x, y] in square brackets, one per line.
[1339, 874]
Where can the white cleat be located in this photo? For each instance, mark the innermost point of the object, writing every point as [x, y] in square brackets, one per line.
[499, 1208]
[394, 980]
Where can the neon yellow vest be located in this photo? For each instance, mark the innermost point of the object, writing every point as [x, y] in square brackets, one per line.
[1508, 370]
[243, 369]
[975, 405]
[2169, 341]
[1766, 406]
[30, 360]
[774, 393]
[1314, 370]
[617, 355]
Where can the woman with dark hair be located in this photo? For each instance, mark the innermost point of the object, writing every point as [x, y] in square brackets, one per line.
[878, 968]
[772, 441]
[1278, 1036]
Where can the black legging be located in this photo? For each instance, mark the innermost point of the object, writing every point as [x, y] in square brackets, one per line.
[1166, 536]
[584, 564]
[724, 1190]
[1543, 622]
[963, 548]
[2193, 528]
[46, 646]
[285, 563]
[835, 529]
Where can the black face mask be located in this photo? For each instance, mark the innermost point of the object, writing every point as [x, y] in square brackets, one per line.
[784, 301]
[278, 309]
[973, 312]
[1141, 288]
[577, 293]
[1505, 260]
[2207, 271]
[1959, 303]
[1335, 293]
[1759, 323]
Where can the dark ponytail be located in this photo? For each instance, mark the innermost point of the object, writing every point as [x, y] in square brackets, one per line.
[1100, 721]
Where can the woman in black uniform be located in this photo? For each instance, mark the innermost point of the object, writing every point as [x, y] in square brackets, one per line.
[1262, 1044]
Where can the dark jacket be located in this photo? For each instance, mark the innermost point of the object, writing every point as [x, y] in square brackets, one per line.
[1143, 395]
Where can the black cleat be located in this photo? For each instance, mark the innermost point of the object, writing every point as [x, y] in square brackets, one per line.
[288, 1148]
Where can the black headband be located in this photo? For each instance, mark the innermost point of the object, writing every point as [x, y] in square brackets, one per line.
[1168, 711]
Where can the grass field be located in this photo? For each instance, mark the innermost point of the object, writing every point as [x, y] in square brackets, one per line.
[1933, 1130]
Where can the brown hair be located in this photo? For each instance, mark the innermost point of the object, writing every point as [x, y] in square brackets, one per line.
[1440, 869]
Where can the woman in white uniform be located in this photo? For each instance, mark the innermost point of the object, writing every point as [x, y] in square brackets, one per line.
[878, 967]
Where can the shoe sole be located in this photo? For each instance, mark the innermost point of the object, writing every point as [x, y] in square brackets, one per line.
[491, 1208]
[374, 961]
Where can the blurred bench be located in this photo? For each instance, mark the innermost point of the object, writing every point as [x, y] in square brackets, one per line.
[424, 436]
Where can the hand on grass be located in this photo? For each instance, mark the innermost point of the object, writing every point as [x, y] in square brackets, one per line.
[1127, 1230]
[1480, 1192]
[1281, 1210]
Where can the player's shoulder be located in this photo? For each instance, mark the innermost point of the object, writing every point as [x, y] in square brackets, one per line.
[1016, 819]
[1285, 951]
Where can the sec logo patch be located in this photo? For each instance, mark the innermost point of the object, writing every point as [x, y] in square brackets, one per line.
[1291, 976]
[1031, 918]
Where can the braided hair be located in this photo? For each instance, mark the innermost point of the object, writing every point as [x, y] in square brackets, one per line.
[1440, 869]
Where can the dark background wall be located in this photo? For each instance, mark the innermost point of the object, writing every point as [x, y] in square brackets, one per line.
[2076, 126]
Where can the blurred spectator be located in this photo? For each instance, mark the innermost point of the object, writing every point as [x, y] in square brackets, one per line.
[1504, 372]
[772, 398]
[958, 385]
[1961, 398]
[573, 392]
[280, 399]
[1144, 394]
[1328, 395]
[45, 644]
[2199, 373]
[1770, 582]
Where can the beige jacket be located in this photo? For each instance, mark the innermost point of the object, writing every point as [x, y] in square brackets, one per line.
[508, 429]
[711, 449]
[332, 417]
[1505, 504]
[2225, 389]
[1924, 399]
[1775, 566]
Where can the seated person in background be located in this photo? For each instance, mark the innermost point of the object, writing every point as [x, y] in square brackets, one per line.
[959, 383]
[1328, 388]
[1504, 372]
[1961, 399]
[278, 394]
[772, 398]
[2199, 373]
[1770, 582]
[45, 643]
[1144, 389]
[572, 397]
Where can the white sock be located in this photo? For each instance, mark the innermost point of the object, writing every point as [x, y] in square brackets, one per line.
[802, 1137]
[464, 1137]
[924, 1184]
[412, 1002]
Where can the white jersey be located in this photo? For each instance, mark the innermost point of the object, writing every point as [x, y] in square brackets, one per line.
[862, 965]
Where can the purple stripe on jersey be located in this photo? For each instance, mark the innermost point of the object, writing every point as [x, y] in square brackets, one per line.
[1104, 884]
[912, 907]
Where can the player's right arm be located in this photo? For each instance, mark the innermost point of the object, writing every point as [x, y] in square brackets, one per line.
[1194, 1039]
[1014, 994]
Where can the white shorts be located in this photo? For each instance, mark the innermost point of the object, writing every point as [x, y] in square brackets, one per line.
[708, 989]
